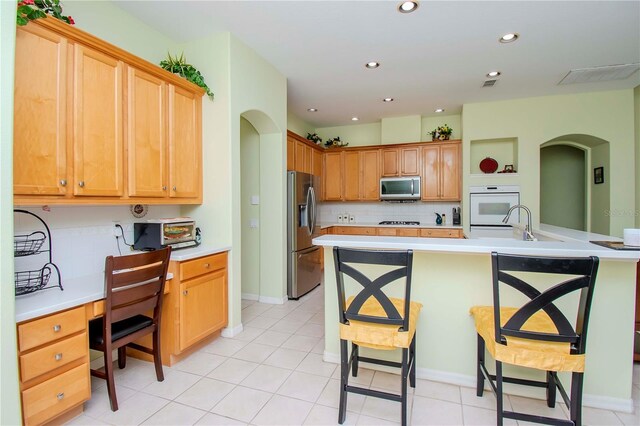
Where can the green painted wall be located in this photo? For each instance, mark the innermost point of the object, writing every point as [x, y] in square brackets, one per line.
[298, 125]
[400, 129]
[9, 392]
[534, 121]
[636, 101]
[355, 135]
[250, 185]
[562, 186]
[601, 207]
[431, 123]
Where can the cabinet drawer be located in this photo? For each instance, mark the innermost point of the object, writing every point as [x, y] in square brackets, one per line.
[408, 232]
[389, 232]
[202, 265]
[356, 230]
[441, 233]
[50, 328]
[53, 356]
[48, 399]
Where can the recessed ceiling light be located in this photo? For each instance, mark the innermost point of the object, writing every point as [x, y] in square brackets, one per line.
[493, 74]
[312, 109]
[387, 100]
[354, 119]
[508, 38]
[372, 64]
[440, 110]
[407, 6]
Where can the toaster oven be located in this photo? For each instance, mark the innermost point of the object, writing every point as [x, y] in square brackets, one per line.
[155, 234]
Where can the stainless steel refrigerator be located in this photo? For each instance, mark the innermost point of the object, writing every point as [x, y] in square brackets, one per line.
[304, 268]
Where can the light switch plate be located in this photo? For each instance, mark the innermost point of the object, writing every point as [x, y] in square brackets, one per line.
[255, 200]
[253, 223]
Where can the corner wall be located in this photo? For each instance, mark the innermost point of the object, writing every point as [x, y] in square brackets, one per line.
[636, 102]
[533, 121]
[250, 184]
[9, 392]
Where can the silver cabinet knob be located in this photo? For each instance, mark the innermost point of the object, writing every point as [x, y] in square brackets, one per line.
[57, 328]
[206, 265]
[58, 357]
[175, 189]
[164, 187]
[81, 184]
[60, 395]
[63, 182]
[185, 292]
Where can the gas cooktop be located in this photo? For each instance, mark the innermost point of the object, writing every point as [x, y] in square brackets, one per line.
[399, 222]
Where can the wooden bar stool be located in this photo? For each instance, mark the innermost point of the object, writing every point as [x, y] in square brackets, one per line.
[371, 319]
[537, 334]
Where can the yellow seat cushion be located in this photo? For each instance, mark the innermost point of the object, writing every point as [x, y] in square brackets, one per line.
[380, 336]
[548, 356]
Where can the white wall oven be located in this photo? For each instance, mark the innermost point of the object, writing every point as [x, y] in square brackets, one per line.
[490, 204]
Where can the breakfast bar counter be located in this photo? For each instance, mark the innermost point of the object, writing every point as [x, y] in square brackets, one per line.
[451, 275]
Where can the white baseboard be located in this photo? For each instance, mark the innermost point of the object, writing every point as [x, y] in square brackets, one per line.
[249, 296]
[230, 332]
[595, 401]
[272, 300]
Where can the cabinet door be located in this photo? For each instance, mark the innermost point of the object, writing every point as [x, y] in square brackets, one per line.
[291, 154]
[203, 307]
[370, 175]
[146, 135]
[450, 172]
[185, 143]
[389, 232]
[390, 162]
[302, 157]
[410, 161]
[351, 176]
[431, 173]
[97, 108]
[333, 176]
[316, 162]
[40, 115]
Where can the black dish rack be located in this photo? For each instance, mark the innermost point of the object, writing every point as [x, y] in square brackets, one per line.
[32, 245]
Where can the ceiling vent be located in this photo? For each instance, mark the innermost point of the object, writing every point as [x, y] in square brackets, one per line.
[489, 83]
[597, 74]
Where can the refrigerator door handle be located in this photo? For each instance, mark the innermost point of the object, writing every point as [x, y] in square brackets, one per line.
[307, 251]
[314, 210]
[309, 207]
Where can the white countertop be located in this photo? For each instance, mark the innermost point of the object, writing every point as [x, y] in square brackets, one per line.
[89, 288]
[574, 244]
[377, 225]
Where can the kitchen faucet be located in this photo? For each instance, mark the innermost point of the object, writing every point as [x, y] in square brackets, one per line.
[526, 235]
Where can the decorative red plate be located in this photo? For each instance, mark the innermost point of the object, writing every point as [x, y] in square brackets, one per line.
[489, 165]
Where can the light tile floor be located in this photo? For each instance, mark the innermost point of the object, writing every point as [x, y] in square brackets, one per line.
[273, 374]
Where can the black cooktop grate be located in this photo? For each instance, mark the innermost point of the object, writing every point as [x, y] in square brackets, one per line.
[399, 222]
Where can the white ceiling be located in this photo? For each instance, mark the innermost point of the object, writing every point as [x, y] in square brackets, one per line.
[436, 57]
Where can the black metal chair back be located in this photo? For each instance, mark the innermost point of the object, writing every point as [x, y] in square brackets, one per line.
[584, 271]
[373, 288]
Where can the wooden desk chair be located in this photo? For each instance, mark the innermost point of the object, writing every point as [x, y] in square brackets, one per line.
[537, 334]
[134, 286]
[372, 319]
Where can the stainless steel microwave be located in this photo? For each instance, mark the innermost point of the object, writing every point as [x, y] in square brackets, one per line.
[156, 234]
[400, 188]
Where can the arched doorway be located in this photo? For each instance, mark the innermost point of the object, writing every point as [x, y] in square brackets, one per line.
[569, 196]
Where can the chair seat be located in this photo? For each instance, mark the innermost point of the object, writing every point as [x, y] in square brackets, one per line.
[543, 355]
[380, 336]
[118, 329]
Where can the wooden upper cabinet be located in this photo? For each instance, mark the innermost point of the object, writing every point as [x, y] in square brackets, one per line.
[352, 176]
[146, 134]
[316, 162]
[410, 161]
[40, 114]
[370, 175]
[401, 161]
[97, 135]
[333, 170]
[291, 154]
[185, 143]
[390, 162]
[441, 172]
[302, 157]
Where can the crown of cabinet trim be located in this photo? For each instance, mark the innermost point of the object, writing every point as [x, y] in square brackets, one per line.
[304, 140]
[89, 40]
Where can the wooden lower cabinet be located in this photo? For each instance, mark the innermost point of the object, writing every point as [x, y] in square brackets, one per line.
[53, 355]
[441, 232]
[396, 232]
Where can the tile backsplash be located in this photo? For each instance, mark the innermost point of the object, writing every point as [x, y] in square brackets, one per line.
[81, 237]
[375, 212]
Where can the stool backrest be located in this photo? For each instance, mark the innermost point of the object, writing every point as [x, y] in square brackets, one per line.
[584, 272]
[373, 288]
[134, 285]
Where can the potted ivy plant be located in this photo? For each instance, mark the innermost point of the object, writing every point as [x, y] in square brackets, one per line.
[179, 65]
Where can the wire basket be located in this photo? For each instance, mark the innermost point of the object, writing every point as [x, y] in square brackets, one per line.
[30, 281]
[26, 245]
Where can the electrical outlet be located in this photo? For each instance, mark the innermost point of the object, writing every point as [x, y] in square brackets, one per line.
[117, 229]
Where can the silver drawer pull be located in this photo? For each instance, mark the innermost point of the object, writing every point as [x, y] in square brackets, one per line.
[58, 357]
[60, 396]
[206, 265]
[63, 182]
[81, 184]
[57, 328]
